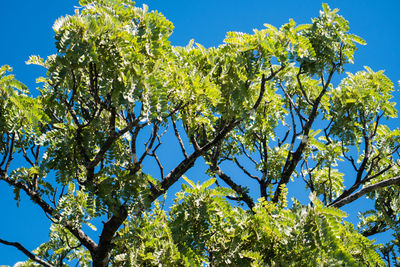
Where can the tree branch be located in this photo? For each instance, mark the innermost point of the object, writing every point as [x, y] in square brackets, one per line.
[296, 156]
[262, 89]
[35, 197]
[10, 155]
[108, 143]
[188, 162]
[179, 138]
[238, 189]
[245, 171]
[365, 190]
[289, 98]
[29, 254]
[301, 87]
[102, 252]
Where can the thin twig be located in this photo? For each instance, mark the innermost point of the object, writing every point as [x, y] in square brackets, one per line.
[245, 171]
[179, 138]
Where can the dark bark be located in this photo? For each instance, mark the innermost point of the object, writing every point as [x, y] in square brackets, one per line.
[294, 158]
[188, 162]
[35, 197]
[29, 254]
[238, 189]
[102, 253]
[379, 227]
[346, 200]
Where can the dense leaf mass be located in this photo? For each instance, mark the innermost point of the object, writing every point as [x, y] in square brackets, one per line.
[203, 227]
[122, 115]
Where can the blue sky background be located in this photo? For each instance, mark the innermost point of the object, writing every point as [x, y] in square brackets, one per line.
[25, 29]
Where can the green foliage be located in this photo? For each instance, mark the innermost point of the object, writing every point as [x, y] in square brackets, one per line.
[61, 247]
[330, 40]
[357, 101]
[261, 105]
[203, 228]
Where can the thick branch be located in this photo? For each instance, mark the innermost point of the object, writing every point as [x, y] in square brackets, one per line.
[365, 190]
[238, 189]
[379, 227]
[356, 185]
[366, 155]
[261, 95]
[102, 253]
[29, 254]
[5, 153]
[10, 155]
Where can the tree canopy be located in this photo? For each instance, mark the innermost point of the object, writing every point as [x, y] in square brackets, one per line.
[275, 106]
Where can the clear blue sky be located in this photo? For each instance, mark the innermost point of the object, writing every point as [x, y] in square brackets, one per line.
[25, 28]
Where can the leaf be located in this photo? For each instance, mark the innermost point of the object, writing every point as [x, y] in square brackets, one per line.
[189, 181]
[302, 27]
[368, 69]
[315, 200]
[71, 187]
[326, 8]
[356, 39]
[351, 100]
[208, 183]
[271, 27]
[36, 60]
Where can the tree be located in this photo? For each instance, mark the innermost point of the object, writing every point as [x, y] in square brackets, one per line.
[117, 93]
